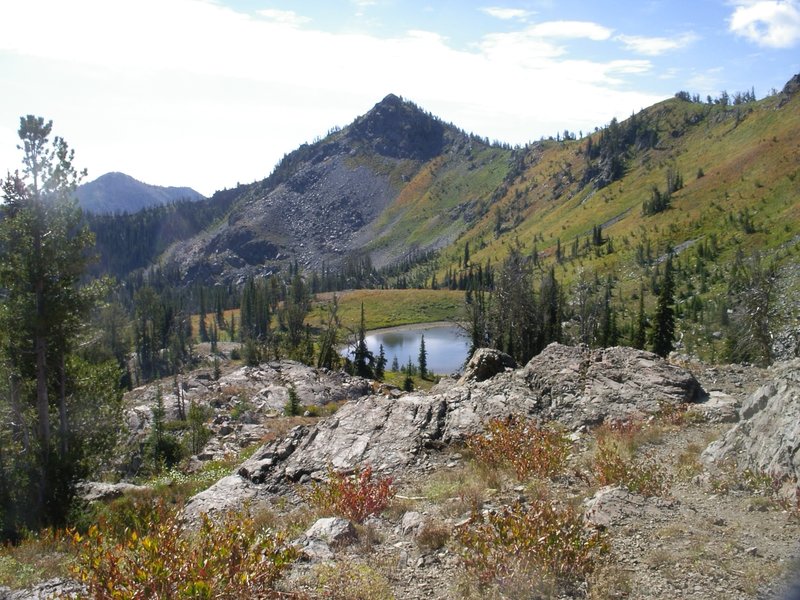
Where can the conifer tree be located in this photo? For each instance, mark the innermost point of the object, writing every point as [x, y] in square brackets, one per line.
[423, 358]
[44, 252]
[640, 331]
[380, 364]
[664, 318]
[202, 328]
[362, 357]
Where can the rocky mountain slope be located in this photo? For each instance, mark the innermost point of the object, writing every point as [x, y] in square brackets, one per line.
[116, 193]
[351, 194]
[398, 182]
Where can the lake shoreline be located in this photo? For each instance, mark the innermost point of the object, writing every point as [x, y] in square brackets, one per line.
[416, 326]
[446, 343]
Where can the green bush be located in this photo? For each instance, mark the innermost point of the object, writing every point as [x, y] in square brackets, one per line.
[529, 450]
[231, 559]
[540, 538]
[613, 465]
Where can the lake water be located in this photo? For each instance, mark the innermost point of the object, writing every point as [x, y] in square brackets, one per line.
[447, 346]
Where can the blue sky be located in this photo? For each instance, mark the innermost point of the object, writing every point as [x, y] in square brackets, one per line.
[211, 93]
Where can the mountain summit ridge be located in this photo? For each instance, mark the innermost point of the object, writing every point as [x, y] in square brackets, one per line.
[116, 192]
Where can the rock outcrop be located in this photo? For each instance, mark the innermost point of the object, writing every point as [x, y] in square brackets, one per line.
[485, 364]
[242, 403]
[575, 386]
[767, 436]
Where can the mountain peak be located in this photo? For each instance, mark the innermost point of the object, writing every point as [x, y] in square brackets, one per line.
[391, 100]
[400, 129]
[117, 192]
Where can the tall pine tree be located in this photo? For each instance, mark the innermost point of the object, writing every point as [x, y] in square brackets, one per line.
[664, 318]
[44, 251]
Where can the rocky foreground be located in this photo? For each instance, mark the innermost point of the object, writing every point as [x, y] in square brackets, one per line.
[725, 525]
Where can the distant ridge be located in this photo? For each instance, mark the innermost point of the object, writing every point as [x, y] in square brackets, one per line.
[120, 193]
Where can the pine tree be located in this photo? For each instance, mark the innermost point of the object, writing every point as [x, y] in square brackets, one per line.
[328, 339]
[640, 332]
[362, 357]
[380, 364]
[423, 359]
[44, 252]
[202, 327]
[664, 318]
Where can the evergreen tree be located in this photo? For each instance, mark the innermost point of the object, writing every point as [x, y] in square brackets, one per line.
[292, 315]
[362, 357]
[202, 328]
[44, 252]
[380, 364]
[199, 433]
[423, 358]
[752, 289]
[408, 382]
[395, 364]
[640, 331]
[292, 407]
[214, 337]
[328, 356]
[664, 318]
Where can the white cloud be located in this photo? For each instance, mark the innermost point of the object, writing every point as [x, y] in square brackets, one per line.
[571, 30]
[287, 17]
[655, 46]
[506, 14]
[188, 92]
[770, 23]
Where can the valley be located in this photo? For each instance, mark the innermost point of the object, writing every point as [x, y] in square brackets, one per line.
[175, 392]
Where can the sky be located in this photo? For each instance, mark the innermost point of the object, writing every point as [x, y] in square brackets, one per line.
[212, 93]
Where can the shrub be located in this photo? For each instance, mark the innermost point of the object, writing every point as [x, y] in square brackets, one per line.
[678, 414]
[433, 535]
[612, 465]
[349, 581]
[222, 560]
[354, 497]
[521, 445]
[781, 490]
[539, 538]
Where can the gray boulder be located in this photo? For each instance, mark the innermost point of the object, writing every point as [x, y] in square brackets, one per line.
[229, 493]
[334, 531]
[767, 436]
[615, 505]
[411, 523]
[578, 386]
[93, 491]
[485, 364]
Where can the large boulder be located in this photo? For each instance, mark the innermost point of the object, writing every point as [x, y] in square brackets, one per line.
[576, 386]
[485, 364]
[385, 432]
[230, 493]
[580, 386]
[767, 436]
